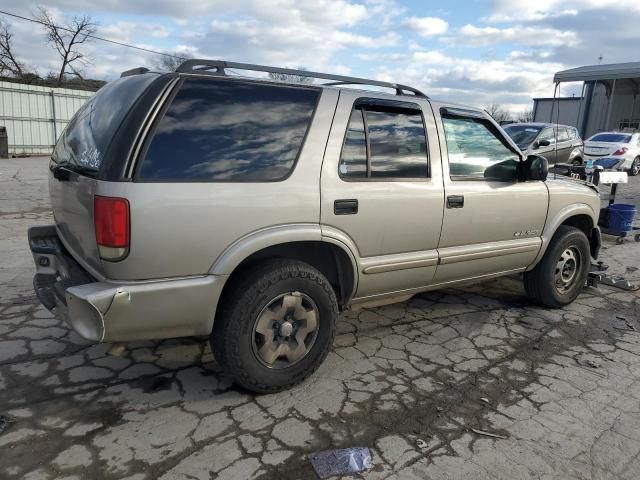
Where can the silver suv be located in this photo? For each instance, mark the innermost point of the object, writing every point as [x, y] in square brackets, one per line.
[253, 211]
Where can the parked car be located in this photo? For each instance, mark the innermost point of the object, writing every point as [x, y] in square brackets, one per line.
[253, 211]
[540, 139]
[621, 146]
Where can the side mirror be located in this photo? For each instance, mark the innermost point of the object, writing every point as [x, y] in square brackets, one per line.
[535, 167]
[543, 143]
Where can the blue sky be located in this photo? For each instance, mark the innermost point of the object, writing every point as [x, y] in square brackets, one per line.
[474, 52]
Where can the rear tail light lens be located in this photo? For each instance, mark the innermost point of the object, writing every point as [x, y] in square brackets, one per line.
[111, 218]
[620, 151]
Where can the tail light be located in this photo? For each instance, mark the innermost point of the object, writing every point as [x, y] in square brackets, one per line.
[111, 219]
[620, 151]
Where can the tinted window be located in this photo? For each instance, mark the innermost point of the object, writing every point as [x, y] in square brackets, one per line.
[476, 150]
[228, 130]
[88, 135]
[398, 144]
[353, 162]
[610, 137]
[393, 144]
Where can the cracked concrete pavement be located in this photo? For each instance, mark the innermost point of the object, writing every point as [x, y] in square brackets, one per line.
[560, 387]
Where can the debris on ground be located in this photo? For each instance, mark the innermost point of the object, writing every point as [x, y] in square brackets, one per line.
[591, 363]
[487, 434]
[344, 461]
[421, 444]
[484, 399]
[5, 420]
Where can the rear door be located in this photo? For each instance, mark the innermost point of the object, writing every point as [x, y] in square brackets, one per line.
[565, 145]
[381, 190]
[492, 223]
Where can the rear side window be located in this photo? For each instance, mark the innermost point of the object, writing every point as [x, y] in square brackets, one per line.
[228, 130]
[84, 142]
[385, 143]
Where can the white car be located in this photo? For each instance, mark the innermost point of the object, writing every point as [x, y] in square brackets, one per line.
[624, 146]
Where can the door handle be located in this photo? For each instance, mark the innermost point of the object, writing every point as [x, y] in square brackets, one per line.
[345, 207]
[455, 201]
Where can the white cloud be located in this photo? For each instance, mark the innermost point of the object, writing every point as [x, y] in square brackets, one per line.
[426, 26]
[524, 10]
[525, 35]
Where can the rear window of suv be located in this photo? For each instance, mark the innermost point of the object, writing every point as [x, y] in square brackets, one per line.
[230, 130]
[83, 144]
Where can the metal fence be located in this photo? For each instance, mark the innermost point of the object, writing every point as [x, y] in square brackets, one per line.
[36, 116]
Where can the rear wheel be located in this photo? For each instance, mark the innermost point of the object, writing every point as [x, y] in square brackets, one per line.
[635, 167]
[276, 325]
[561, 274]
[577, 162]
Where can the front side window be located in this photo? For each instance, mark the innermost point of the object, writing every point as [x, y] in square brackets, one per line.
[477, 151]
[230, 130]
[522, 135]
[548, 134]
[385, 142]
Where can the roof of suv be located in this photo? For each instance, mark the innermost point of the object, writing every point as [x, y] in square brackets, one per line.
[541, 124]
[218, 68]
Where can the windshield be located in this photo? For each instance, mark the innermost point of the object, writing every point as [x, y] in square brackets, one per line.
[84, 142]
[611, 138]
[523, 135]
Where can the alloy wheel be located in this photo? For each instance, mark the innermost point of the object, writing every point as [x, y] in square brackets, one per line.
[285, 330]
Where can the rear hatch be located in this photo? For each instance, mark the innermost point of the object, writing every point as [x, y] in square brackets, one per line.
[90, 150]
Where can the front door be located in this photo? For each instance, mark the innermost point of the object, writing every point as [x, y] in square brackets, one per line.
[492, 223]
[547, 151]
[381, 190]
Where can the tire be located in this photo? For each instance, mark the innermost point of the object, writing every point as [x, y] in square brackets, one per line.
[635, 167]
[298, 294]
[577, 162]
[548, 284]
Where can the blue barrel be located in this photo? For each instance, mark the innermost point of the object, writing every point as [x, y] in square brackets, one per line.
[622, 217]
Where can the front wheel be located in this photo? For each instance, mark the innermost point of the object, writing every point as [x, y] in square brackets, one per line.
[561, 274]
[276, 325]
[635, 167]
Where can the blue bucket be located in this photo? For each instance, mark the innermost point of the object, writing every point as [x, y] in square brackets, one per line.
[622, 217]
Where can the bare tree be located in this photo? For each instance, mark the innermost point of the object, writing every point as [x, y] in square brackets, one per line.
[526, 116]
[67, 39]
[498, 113]
[286, 77]
[9, 63]
[165, 63]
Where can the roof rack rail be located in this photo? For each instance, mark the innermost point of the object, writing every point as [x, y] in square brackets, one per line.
[218, 68]
[134, 71]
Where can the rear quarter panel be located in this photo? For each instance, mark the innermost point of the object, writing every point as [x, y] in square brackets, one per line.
[180, 229]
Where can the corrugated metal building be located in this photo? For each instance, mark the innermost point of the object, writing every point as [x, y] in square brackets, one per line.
[610, 99]
[35, 116]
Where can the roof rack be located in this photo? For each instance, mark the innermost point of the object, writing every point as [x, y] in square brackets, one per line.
[134, 71]
[218, 67]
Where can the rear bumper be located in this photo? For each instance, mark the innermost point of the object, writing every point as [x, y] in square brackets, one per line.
[113, 311]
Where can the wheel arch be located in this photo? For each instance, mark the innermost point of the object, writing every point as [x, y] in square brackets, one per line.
[305, 243]
[580, 216]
